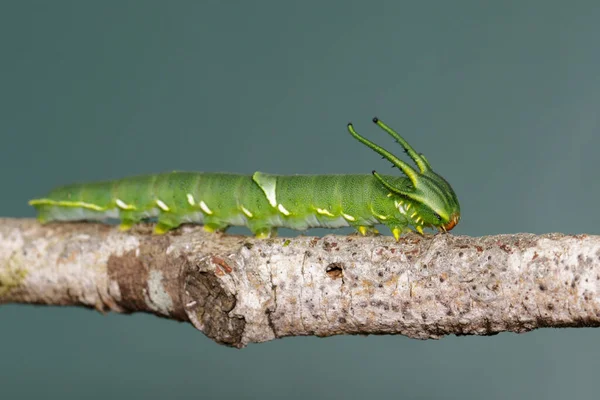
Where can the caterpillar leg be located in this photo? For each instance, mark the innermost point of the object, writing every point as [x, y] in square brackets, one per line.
[214, 227]
[126, 224]
[128, 219]
[367, 230]
[398, 228]
[165, 223]
[262, 231]
[266, 233]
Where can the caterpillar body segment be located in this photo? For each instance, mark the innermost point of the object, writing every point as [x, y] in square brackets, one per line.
[265, 202]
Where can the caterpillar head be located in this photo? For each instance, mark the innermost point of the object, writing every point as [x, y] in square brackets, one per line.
[434, 199]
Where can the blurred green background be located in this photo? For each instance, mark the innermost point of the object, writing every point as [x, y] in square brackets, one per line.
[502, 97]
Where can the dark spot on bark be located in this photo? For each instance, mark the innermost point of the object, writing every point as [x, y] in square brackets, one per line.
[328, 246]
[221, 266]
[342, 320]
[489, 258]
[335, 270]
[550, 306]
[307, 253]
[505, 248]
[380, 285]
[442, 279]
[131, 273]
[248, 245]
[424, 316]
[543, 287]
[479, 248]
[380, 273]
[377, 303]
[208, 305]
[460, 253]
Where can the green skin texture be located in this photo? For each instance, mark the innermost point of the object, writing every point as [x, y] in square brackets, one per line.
[264, 202]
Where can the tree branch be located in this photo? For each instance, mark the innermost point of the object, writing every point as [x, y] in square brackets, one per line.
[240, 290]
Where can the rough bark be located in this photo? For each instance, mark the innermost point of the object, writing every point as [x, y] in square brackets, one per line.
[240, 290]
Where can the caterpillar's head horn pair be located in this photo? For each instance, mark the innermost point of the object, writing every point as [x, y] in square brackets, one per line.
[438, 201]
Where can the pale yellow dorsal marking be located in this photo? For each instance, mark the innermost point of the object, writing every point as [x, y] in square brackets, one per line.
[205, 208]
[323, 211]
[246, 211]
[413, 214]
[162, 205]
[191, 199]
[267, 183]
[408, 207]
[390, 194]
[124, 206]
[348, 217]
[283, 210]
[420, 229]
[362, 230]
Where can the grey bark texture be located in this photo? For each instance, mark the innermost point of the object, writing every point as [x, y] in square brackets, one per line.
[240, 290]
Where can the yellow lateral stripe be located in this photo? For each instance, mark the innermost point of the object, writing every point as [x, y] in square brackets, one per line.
[65, 203]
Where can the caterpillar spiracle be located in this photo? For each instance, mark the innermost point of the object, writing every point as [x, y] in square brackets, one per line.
[264, 202]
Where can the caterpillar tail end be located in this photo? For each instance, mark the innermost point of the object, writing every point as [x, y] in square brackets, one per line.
[41, 206]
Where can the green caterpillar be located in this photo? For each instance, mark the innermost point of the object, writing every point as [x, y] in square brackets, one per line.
[264, 202]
